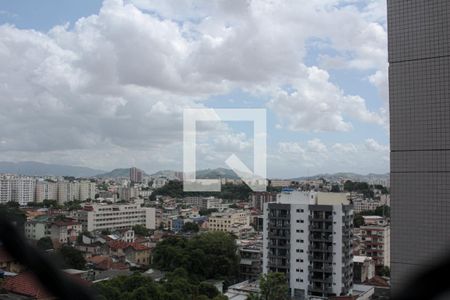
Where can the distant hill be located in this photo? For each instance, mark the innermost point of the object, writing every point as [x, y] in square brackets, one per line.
[32, 168]
[216, 173]
[116, 173]
[350, 176]
[201, 174]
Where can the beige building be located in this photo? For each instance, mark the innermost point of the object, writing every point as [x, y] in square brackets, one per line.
[228, 221]
[116, 216]
[375, 240]
[46, 190]
[70, 191]
[87, 190]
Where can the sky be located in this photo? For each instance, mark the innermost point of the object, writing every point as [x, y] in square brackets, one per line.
[103, 84]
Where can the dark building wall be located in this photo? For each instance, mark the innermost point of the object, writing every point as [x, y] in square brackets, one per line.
[419, 92]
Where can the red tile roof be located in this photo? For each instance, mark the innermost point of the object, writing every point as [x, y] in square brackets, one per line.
[123, 245]
[139, 247]
[377, 281]
[118, 245]
[26, 284]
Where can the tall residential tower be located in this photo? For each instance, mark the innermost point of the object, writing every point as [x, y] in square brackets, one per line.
[419, 92]
[307, 236]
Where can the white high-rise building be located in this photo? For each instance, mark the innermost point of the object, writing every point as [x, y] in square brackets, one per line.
[307, 236]
[5, 189]
[16, 188]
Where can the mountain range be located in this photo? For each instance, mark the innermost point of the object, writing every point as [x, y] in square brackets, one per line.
[32, 168]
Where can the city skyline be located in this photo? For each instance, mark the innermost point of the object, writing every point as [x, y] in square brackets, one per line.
[76, 93]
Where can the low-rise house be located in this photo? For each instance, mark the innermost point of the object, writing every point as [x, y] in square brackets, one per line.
[64, 231]
[133, 252]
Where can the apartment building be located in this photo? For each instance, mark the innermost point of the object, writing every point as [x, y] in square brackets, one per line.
[5, 189]
[16, 188]
[136, 175]
[75, 190]
[376, 240]
[60, 231]
[116, 216]
[87, 190]
[128, 193]
[360, 205]
[307, 236]
[250, 264]
[46, 190]
[203, 202]
[228, 221]
[37, 228]
[258, 199]
[419, 76]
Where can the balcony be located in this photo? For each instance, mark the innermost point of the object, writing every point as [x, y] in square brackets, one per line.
[320, 248]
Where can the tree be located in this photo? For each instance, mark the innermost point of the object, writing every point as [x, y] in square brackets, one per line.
[253, 296]
[141, 230]
[383, 271]
[14, 215]
[274, 286]
[335, 188]
[45, 243]
[211, 255]
[72, 257]
[190, 227]
[72, 205]
[207, 212]
[358, 220]
[208, 289]
[176, 285]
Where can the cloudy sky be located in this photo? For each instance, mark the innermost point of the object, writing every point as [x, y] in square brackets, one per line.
[103, 84]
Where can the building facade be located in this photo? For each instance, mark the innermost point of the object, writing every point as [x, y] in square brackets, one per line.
[376, 240]
[116, 216]
[258, 199]
[419, 93]
[136, 175]
[228, 221]
[16, 188]
[46, 190]
[310, 242]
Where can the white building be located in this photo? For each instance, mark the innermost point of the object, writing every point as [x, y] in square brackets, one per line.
[203, 202]
[116, 216]
[159, 182]
[16, 188]
[307, 236]
[5, 189]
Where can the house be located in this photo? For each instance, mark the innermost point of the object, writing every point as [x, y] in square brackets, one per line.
[26, 284]
[133, 252]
